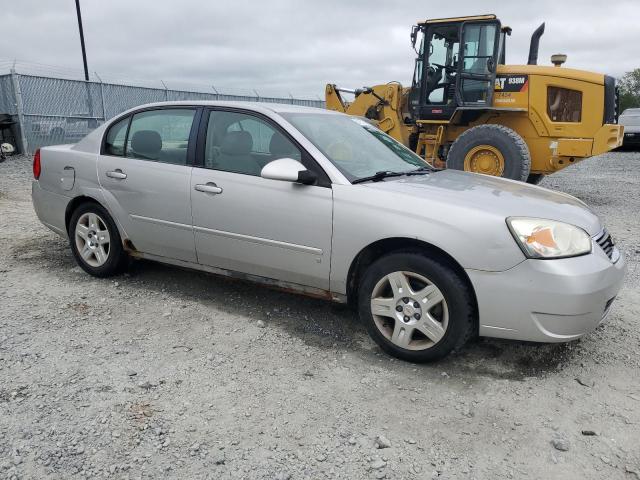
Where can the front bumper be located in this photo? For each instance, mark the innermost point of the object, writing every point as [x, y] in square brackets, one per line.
[631, 138]
[548, 300]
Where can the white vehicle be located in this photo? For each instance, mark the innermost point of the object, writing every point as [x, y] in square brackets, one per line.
[630, 118]
[61, 129]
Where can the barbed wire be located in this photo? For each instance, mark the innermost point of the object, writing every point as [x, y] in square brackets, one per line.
[57, 71]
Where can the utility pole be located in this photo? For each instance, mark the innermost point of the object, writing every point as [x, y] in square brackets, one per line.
[91, 122]
[84, 52]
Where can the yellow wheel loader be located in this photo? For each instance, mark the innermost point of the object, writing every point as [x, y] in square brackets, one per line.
[467, 110]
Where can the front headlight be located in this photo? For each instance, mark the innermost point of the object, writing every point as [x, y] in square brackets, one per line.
[542, 238]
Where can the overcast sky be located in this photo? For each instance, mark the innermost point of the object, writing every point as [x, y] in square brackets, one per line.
[297, 46]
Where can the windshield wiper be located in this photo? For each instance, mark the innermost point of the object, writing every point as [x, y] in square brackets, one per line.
[387, 173]
[378, 176]
[420, 171]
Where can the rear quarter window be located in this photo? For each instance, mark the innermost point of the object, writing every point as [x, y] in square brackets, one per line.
[115, 138]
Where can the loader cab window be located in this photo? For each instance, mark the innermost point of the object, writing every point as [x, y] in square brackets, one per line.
[459, 67]
[443, 45]
[480, 42]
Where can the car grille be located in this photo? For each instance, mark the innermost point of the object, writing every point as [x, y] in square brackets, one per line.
[606, 242]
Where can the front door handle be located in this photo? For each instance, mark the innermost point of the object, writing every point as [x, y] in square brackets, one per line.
[117, 173]
[209, 187]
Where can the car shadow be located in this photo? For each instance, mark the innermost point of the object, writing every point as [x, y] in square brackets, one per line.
[316, 322]
[323, 324]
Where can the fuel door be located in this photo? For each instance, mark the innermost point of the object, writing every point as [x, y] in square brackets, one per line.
[67, 178]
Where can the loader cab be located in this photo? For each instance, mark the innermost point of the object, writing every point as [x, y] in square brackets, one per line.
[455, 66]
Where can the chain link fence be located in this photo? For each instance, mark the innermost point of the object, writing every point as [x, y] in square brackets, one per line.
[50, 111]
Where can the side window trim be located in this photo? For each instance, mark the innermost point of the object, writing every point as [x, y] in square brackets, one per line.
[306, 158]
[193, 137]
[126, 137]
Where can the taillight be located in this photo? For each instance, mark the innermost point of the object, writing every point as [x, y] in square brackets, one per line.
[36, 165]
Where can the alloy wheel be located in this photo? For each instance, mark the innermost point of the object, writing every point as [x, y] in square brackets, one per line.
[409, 310]
[92, 239]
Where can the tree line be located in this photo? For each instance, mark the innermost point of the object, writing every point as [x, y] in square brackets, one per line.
[630, 90]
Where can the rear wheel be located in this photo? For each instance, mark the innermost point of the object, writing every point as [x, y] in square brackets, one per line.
[492, 150]
[415, 308]
[95, 241]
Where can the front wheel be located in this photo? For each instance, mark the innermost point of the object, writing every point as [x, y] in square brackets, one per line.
[416, 308]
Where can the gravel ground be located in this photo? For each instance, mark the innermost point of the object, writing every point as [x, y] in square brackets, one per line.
[168, 373]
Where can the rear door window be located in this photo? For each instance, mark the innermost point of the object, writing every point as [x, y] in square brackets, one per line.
[160, 135]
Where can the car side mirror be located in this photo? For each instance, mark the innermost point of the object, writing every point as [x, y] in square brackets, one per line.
[288, 170]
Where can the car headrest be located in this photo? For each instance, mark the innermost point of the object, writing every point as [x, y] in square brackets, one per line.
[236, 143]
[146, 142]
[280, 146]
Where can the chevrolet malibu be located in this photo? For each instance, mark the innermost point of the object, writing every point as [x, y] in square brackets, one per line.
[327, 205]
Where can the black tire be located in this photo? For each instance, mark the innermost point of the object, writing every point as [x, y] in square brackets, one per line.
[456, 292]
[517, 158]
[117, 258]
[535, 178]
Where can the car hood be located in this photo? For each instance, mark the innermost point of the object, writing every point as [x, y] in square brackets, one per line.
[630, 126]
[631, 122]
[492, 195]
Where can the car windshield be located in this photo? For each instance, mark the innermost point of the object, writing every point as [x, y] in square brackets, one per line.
[357, 148]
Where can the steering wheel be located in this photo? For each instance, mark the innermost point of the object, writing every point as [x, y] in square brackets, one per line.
[343, 154]
[340, 151]
[448, 68]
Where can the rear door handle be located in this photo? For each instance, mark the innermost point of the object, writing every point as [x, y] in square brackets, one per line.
[209, 187]
[117, 173]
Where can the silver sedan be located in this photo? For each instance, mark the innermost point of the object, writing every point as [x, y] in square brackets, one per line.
[327, 205]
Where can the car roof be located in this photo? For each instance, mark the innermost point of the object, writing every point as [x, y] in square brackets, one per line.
[256, 106]
[628, 111]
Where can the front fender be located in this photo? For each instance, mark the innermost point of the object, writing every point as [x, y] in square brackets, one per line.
[479, 241]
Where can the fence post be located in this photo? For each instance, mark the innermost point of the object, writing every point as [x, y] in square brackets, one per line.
[19, 110]
[216, 90]
[166, 93]
[104, 111]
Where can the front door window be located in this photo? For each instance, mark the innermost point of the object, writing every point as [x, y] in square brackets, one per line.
[242, 143]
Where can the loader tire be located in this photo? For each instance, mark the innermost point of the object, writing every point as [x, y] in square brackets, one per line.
[492, 150]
